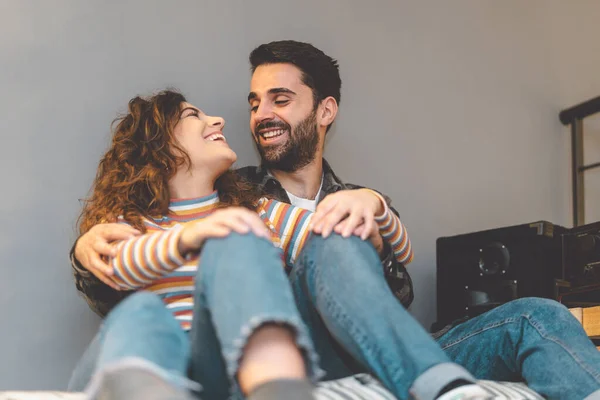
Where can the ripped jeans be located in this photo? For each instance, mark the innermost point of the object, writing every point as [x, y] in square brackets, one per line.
[240, 286]
[336, 299]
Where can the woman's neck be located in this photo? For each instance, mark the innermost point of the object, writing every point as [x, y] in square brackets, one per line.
[190, 185]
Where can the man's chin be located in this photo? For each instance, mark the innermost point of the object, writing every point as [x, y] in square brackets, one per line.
[271, 154]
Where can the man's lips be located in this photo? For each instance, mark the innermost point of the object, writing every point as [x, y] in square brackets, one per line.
[269, 134]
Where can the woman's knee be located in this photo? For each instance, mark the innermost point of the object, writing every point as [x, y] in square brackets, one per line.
[340, 254]
[140, 304]
[236, 245]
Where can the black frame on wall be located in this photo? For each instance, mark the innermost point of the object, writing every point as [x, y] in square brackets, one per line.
[574, 116]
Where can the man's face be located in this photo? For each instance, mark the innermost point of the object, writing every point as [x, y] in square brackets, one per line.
[282, 117]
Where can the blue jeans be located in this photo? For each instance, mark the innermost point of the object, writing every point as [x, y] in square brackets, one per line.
[340, 288]
[342, 298]
[240, 286]
[531, 339]
[139, 332]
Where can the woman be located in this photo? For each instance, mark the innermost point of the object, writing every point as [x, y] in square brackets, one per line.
[167, 174]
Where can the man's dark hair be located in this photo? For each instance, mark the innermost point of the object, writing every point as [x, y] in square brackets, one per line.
[319, 71]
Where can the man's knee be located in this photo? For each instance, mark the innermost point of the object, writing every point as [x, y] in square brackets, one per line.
[540, 309]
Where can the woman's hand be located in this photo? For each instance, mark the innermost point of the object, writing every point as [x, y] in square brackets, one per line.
[220, 224]
[344, 211]
[368, 230]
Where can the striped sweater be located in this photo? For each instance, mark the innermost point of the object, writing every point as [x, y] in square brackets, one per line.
[152, 261]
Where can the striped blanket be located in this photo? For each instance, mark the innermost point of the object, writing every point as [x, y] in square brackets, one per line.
[357, 387]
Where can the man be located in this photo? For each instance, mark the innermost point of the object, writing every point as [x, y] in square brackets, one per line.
[294, 95]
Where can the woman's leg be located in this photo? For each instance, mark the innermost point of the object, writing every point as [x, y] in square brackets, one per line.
[140, 351]
[246, 329]
[343, 296]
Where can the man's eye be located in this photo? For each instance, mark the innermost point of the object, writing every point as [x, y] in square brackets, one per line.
[281, 102]
[253, 109]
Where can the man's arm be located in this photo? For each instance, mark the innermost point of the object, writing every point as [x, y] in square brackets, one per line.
[90, 270]
[100, 297]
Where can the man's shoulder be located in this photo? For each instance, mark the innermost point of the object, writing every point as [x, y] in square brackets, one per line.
[251, 173]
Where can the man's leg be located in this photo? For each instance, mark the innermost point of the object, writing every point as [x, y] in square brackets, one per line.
[531, 339]
[340, 288]
[242, 292]
[139, 341]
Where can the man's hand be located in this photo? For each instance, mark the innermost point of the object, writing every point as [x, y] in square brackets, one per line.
[97, 242]
[345, 211]
[221, 224]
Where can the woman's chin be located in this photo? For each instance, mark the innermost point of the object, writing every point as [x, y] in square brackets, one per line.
[226, 162]
[232, 157]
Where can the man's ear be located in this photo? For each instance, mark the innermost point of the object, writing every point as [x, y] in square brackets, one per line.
[327, 111]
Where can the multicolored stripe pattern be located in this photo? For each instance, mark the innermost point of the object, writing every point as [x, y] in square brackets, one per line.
[394, 233]
[152, 261]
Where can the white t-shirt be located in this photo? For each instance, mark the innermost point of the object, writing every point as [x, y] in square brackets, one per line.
[307, 204]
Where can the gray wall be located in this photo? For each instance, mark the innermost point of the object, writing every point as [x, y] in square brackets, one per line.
[448, 107]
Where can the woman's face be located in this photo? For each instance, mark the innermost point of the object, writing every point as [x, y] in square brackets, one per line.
[201, 136]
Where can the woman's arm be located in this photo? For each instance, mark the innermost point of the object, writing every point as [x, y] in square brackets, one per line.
[143, 259]
[291, 225]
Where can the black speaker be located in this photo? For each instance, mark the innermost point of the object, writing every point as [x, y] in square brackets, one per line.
[581, 255]
[482, 270]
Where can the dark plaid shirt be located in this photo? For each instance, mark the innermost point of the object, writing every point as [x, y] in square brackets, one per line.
[102, 298]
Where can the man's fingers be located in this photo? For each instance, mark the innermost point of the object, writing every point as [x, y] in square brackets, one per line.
[98, 273]
[112, 232]
[98, 264]
[104, 249]
[107, 281]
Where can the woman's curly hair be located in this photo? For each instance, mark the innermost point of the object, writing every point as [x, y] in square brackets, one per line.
[133, 175]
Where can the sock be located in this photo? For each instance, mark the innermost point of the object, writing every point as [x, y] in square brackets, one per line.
[288, 389]
[453, 385]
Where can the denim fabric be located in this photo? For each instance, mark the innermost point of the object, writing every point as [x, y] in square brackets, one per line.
[530, 339]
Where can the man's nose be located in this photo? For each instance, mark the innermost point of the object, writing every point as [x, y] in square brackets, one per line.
[263, 113]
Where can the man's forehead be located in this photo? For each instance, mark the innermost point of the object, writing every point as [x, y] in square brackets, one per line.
[270, 76]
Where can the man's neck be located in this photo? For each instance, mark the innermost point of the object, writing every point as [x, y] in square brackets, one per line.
[305, 182]
[191, 185]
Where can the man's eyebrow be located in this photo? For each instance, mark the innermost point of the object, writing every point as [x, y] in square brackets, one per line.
[278, 90]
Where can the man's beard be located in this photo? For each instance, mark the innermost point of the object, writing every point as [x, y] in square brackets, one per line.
[298, 151]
